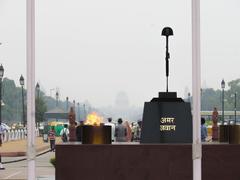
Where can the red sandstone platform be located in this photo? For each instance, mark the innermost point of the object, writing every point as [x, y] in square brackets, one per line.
[145, 162]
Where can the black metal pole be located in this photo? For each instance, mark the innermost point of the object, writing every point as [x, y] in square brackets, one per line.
[23, 111]
[84, 110]
[1, 128]
[235, 107]
[189, 97]
[38, 94]
[167, 62]
[1, 119]
[1, 168]
[167, 31]
[67, 105]
[222, 106]
[0, 102]
[37, 109]
[78, 112]
[74, 105]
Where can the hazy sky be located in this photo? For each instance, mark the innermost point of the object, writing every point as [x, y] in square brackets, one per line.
[94, 49]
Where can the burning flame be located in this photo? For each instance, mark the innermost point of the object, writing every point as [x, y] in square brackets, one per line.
[93, 119]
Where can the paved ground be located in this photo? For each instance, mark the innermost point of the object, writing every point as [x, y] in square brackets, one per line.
[18, 170]
[16, 150]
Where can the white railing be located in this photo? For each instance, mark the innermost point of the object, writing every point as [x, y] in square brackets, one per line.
[14, 135]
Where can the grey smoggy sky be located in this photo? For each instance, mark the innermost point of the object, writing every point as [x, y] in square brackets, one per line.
[91, 50]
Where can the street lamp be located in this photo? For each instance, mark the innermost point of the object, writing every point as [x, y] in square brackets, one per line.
[84, 111]
[74, 105]
[57, 97]
[189, 96]
[21, 80]
[37, 105]
[38, 90]
[1, 130]
[78, 111]
[223, 86]
[235, 107]
[67, 104]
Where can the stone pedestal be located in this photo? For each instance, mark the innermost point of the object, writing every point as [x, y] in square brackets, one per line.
[96, 134]
[144, 161]
[224, 133]
[234, 134]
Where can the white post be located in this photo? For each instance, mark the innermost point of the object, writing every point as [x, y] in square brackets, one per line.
[196, 86]
[5, 136]
[31, 155]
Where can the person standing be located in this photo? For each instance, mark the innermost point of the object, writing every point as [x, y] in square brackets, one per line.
[1, 141]
[79, 131]
[133, 131]
[2, 130]
[139, 130]
[109, 123]
[214, 124]
[203, 130]
[120, 132]
[129, 131]
[52, 138]
[64, 133]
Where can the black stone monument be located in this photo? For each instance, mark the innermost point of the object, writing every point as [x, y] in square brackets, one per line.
[167, 119]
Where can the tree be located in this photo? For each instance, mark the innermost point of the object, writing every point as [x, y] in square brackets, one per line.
[234, 88]
[41, 108]
[12, 98]
[210, 99]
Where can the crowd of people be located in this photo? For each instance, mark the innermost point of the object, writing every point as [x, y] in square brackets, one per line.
[122, 131]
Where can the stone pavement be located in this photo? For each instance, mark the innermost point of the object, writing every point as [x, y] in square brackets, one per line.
[18, 170]
[16, 150]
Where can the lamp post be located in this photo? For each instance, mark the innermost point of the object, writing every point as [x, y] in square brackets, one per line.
[78, 111]
[21, 80]
[57, 97]
[84, 111]
[1, 131]
[189, 96]
[223, 86]
[235, 107]
[74, 105]
[38, 90]
[67, 99]
[37, 105]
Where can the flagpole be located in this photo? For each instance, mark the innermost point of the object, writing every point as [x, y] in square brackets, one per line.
[31, 155]
[196, 86]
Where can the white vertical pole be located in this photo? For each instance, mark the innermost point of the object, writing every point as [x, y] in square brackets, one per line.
[196, 86]
[31, 155]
